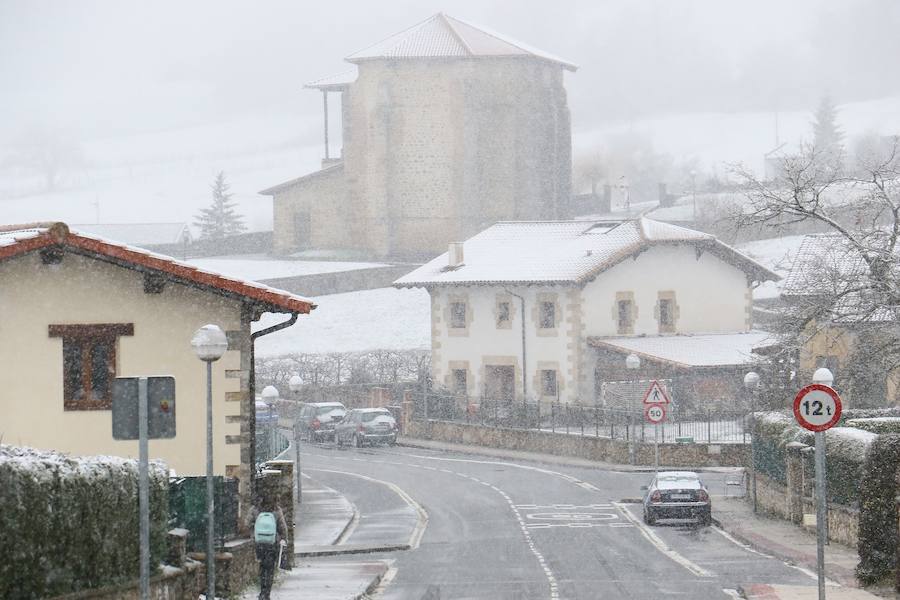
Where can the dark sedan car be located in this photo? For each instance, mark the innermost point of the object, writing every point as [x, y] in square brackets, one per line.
[317, 420]
[677, 495]
[366, 426]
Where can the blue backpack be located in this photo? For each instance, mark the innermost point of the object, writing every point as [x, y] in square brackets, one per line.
[266, 528]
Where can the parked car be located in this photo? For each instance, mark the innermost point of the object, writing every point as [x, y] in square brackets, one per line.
[363, 426]
[677, 494]
[317, 420]
[264, 417]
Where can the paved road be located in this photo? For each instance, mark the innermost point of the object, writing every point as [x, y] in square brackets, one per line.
[512, 529]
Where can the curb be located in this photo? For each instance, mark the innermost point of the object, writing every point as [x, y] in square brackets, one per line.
[317, 551]
[554, 459]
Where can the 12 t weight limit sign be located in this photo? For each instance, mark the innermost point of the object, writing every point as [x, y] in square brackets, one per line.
[817, 407]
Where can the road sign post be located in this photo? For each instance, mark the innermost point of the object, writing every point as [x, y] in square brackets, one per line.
[817, 408]
[656, 414]
[143, 408]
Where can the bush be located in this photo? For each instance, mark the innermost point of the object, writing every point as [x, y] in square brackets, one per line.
[68, 524]
[877, 424]
[878, 514]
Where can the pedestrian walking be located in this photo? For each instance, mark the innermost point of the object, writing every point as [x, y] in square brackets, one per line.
[269, 533]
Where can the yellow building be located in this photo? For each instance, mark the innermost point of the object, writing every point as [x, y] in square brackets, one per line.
[446, 128]
[78, 311]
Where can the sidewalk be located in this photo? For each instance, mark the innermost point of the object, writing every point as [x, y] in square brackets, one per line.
[790, 543]
[324, 518]
[548, 459]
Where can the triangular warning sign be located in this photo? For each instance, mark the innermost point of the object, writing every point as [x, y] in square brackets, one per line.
[656, 394]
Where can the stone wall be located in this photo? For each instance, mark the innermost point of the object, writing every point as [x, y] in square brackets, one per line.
[587, 447]
[322, 196]
[321, 284]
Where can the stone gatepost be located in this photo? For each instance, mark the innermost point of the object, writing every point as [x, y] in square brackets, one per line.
[279, 480]
[794, 469]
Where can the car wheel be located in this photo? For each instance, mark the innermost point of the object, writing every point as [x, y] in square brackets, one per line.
[338, 441]
[705, 519]
[649, 519]
[357, 442]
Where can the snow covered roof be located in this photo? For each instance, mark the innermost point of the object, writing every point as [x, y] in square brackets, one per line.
[819, 257]
[329, 170]
[443, 36]
[701, 350]
[139, 234]
[17, 240]
[337, 81]
[564, 252]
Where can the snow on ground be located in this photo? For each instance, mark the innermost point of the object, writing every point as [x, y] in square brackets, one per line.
[256, 267]
[775, 253]
[385, 318]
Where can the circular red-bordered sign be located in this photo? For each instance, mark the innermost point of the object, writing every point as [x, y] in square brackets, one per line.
[655, 413]
[817, 407]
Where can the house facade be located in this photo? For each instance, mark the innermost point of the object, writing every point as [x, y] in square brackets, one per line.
[521, 309]
[445, 128]
[79, 311]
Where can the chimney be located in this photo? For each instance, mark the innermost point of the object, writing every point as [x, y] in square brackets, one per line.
[455, 255]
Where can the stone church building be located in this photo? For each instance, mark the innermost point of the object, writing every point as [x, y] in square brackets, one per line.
[446, 129]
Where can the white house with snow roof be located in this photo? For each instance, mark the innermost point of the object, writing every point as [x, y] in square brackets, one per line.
[534, 307]
[79, 310]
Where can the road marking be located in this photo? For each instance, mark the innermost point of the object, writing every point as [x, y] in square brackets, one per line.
[422, 520]
[386, 580]
[732, 593]
[753, 550]
[662, 546]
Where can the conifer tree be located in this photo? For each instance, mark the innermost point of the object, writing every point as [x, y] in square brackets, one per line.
[828, 139]
[220, 219]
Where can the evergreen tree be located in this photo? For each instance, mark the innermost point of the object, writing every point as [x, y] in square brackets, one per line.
[219, 220]
[828, 139]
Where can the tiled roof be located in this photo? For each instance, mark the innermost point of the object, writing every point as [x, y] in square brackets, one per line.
[819, 259]
[701, 350]
[567, 252]
[334, 82]
[17, 240]
[443, 36]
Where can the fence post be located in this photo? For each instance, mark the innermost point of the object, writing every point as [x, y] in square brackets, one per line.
[708, 426]
[568, 418]
[596, 423]
[553, 417]
[581, 419]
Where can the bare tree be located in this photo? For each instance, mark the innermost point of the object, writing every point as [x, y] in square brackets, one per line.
[847, 278]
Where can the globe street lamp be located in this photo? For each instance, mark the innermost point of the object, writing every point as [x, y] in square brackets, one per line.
[823, 376]
[632, 363]
[270, 397]
[296, 384]
[751, 382]
[209, 344]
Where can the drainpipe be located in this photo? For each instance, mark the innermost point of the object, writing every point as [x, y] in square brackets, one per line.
[251, 385]
[524, 363]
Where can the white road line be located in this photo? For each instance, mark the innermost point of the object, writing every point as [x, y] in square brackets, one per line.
[662, 546]
[732, 593]
[422, 520]
[753, 550]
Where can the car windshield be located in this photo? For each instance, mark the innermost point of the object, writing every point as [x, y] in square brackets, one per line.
[371, 416]
[324, 410]
[670, 477]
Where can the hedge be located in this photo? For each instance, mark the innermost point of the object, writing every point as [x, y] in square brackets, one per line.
[69, 524]
[878, 514]
[877, 424]
[846, 453]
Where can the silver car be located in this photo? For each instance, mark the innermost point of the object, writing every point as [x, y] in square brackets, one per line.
[363, 426]
[317, 420]
[677, 494]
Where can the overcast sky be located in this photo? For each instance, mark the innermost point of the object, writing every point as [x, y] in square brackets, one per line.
[98, 69]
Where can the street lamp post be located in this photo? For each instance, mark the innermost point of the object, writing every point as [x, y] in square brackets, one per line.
[296, 384]
[270, 397]
[751, 382]
[632, 363]
[209, 344]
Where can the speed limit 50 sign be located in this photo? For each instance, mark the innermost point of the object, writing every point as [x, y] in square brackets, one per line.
[817, 407]
[655, 413]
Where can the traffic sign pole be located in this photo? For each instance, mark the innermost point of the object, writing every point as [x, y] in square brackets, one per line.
[656, 449]
[820, 510]
[817, 407]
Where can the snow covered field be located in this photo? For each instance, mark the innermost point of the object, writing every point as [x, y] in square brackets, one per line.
[385, 318]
